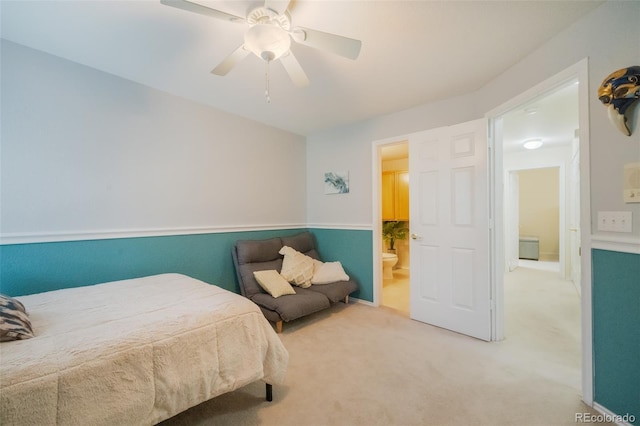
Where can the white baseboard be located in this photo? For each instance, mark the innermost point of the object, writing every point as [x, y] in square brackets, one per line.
[364, 302]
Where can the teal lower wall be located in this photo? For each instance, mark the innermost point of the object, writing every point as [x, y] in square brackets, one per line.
[616, 331]
[34, 268]
[354, 250]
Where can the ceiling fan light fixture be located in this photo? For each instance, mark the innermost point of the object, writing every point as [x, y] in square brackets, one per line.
[267, 41]
[532, 143]
[269, 37]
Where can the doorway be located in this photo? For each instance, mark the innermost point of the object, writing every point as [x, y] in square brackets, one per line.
[542, 306]
[394, 201]
[449, 283]
[534, 215]
[550, 173]
[574, 239]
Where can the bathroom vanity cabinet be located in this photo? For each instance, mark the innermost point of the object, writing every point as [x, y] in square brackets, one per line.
[395, 195]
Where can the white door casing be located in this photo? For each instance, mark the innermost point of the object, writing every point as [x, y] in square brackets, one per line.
[574, 213]
[579, 71]
[450, 228]
[512, 219]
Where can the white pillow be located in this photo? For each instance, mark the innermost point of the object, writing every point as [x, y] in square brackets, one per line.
[273, 283]
[297, 268]
[329, 272]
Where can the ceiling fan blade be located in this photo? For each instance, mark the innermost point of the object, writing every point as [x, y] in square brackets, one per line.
[230, 61]
[278, 6]
[203, 10]
[295, 71]
[343, 46]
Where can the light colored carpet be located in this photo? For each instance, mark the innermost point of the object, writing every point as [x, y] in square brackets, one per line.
[359, 365]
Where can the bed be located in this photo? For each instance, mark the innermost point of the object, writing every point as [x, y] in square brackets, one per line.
[134, 352]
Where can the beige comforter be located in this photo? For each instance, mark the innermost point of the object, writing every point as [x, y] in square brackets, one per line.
[134, 352]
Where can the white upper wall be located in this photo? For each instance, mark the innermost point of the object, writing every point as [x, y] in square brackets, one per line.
[609, 37]
[87, 152]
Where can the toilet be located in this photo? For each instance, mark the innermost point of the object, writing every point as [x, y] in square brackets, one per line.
[389, 260]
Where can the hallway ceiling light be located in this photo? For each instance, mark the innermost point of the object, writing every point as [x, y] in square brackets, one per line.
[532, 143]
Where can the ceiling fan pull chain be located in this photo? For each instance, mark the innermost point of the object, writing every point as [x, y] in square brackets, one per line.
[266, 76]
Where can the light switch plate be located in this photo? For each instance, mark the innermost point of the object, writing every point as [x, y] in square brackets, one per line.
[631, 190]
[615, 221]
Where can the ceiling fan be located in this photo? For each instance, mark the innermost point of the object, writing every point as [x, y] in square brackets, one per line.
[269, 37]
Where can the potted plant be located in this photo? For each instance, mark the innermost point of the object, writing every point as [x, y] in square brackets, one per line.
[393, 230]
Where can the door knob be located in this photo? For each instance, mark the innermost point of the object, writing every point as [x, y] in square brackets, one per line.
[415, 236]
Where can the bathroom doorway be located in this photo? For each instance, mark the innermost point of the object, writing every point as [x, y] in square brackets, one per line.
[394, 209]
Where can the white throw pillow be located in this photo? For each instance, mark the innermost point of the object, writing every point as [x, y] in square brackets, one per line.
[297, 268]
[273, 283]
[329, 272]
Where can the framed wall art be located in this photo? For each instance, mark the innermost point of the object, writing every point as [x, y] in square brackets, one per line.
[336, 182]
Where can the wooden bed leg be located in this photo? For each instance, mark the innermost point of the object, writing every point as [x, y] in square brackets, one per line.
[269, 392]
[279, 327]
[346, 300]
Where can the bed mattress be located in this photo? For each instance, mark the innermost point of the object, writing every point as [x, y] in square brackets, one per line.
[134, 352]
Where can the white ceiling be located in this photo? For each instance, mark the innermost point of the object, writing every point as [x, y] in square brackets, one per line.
[553, 119]
[413, 52]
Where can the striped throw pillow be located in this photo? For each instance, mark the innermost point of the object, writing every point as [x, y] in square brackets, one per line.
[14, 321]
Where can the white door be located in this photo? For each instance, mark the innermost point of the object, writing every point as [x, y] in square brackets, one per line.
[512, 218]
[449, 228]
